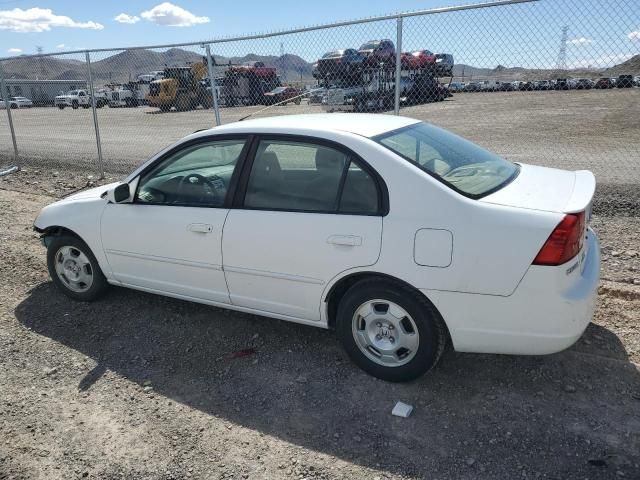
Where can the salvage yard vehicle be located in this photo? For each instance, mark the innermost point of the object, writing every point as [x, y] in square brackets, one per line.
[584, 84]
[181, 88]
[605, 83]
[16, 102]
[624, 81]
[124, 97]
[418, 59]
[397, 234]
[283, 95]
[378, 51]
[444, 64]
[73, 99]
[338, 63]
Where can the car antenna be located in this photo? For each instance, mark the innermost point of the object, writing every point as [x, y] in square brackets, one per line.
[279, 103]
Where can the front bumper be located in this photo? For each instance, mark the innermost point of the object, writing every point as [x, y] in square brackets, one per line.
[548, 312]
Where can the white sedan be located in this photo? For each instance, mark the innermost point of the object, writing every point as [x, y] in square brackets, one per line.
[16, 102]
[397, 234]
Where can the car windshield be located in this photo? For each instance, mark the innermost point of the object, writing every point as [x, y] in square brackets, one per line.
[278, 90]
[72, 92]
[459, 163]
[334, 54]
[369, 46]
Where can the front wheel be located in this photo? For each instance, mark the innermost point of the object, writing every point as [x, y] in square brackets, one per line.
[74, 269]
[389, 330]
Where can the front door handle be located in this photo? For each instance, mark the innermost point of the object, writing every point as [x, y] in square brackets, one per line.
[348, 240]
[200, 227]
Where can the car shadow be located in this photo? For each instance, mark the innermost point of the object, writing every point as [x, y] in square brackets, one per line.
[294, 382]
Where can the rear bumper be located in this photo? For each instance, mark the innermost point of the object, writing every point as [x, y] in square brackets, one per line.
[547, 313]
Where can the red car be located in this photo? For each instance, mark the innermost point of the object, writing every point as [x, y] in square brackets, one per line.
[417, 59]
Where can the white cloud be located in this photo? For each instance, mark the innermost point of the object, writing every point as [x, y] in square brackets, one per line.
[39, 20]
[126, 18]
[15, 50]
[580, 41]
[634, 36]
[172, 15]
[60, 45]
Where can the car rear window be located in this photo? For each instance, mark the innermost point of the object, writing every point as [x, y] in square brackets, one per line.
[458, 163]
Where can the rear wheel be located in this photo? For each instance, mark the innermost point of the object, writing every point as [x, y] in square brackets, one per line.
[74, 269]
[61, 107]
[389, 330]
[74, 104]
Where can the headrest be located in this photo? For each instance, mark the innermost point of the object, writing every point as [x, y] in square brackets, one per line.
[329, 161]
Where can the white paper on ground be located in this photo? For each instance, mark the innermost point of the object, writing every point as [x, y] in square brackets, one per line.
[402, 410]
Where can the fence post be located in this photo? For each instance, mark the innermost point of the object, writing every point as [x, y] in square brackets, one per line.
[212, 81]
[396, 103]
[4, 92]
[95, 115]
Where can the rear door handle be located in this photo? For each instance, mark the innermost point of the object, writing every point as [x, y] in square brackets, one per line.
[349, 240]
[200, 227]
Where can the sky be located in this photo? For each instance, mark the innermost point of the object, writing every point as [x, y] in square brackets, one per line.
[600, 33]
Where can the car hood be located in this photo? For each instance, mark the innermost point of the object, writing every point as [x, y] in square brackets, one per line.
[90, 193]
[548, 189]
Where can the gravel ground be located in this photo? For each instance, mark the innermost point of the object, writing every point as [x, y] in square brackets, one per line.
[140, 386]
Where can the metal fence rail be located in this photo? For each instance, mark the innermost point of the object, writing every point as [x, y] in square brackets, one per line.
[526, 78]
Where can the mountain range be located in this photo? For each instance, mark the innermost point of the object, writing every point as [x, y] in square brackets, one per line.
[126, 65]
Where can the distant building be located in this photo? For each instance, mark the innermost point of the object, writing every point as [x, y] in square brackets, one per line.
[41, 92]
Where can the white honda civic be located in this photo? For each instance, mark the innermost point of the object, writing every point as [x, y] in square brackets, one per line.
[396, 233]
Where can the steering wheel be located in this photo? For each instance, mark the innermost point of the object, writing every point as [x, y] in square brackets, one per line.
[193, 186]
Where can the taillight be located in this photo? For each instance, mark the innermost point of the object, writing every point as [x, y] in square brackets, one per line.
[564, 243]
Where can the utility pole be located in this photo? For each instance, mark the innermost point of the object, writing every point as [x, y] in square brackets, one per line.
[562, 53]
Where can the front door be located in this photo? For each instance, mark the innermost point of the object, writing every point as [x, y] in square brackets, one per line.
[168, 240]
[308, 212]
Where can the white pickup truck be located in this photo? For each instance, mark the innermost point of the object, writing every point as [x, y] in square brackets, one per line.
[79, 98]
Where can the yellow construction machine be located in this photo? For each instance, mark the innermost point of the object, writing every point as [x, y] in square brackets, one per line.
[182, 88]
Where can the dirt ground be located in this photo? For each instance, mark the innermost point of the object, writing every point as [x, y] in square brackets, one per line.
[138, 386]
[574, 129]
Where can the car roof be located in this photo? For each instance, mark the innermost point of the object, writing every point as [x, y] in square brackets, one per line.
[364, 124]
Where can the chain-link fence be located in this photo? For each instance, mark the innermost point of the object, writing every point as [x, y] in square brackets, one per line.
[551, 82]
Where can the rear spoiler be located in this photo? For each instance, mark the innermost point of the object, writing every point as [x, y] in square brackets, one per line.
[583, 190]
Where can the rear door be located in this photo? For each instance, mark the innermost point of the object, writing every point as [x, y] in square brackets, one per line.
[306, 210]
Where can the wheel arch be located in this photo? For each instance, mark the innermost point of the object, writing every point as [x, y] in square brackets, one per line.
[340, 287]
[57, 231]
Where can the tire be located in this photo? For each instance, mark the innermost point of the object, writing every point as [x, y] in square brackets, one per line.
[61, 107]
[86, 106]
[183, 103]
[74, 104]
[420, 332]
[14, 106]
[66, 253]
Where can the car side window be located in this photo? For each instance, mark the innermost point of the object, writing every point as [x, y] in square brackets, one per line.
[360, 193]
[298, 176]
[198, 175]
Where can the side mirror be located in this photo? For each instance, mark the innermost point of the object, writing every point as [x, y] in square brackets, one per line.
[119, 194]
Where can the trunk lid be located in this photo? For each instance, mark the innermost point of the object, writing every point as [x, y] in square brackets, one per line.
[548, 189]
